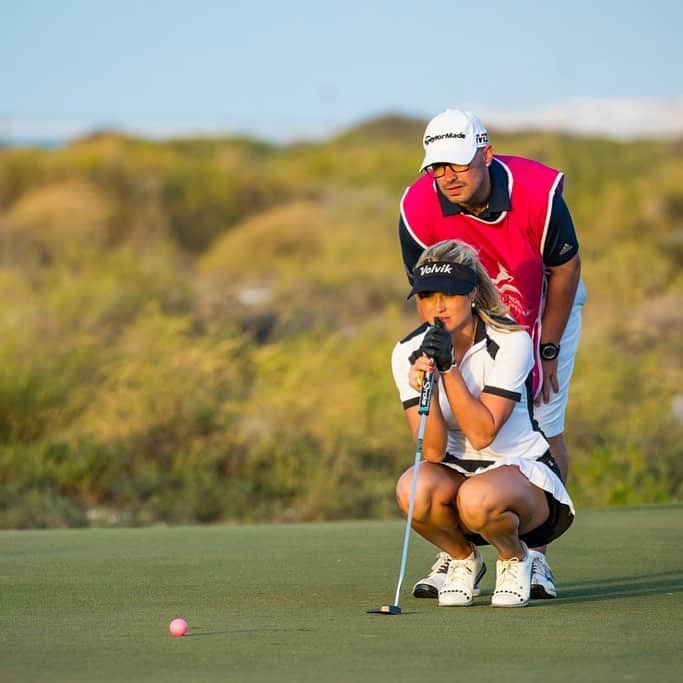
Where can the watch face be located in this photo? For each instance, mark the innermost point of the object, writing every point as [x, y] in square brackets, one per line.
[549, 351]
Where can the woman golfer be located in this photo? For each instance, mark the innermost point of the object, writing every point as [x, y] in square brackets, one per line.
[488, 476]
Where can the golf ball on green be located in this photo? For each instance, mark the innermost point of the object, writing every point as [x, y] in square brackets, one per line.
[178, 628]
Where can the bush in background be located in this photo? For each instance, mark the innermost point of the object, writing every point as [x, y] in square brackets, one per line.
[200, 330]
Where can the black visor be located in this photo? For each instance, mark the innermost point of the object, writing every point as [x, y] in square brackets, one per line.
[449, 278]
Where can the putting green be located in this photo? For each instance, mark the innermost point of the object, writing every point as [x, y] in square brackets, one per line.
[288, 603]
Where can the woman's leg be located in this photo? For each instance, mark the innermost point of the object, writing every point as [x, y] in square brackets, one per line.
[500, 505]
[435, 516]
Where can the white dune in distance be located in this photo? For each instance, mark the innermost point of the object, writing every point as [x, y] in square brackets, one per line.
[613, 118]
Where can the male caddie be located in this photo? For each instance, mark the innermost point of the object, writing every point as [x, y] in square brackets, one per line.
[511, 210]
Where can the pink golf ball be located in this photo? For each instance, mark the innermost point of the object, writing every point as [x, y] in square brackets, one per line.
[178, 628]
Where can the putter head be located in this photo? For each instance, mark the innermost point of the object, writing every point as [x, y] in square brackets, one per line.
[386, 609]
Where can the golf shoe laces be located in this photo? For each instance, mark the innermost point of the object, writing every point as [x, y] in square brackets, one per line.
[510, 579]
[443, 561]
[460, 570]
[540, 566]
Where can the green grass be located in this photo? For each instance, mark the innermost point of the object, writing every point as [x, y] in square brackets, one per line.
[288, 603]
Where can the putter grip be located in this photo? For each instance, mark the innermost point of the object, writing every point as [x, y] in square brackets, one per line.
[427, 384]
[426, 393]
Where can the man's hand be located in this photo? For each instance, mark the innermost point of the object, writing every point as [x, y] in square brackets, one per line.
[550, 382]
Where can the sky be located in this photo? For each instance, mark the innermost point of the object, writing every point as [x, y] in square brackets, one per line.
[306, 69]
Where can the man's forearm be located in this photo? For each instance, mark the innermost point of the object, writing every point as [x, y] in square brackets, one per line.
[562, 285]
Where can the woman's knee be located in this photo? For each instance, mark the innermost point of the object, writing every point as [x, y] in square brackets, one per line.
[478, 503]
[431, 489]
[423, 495]
[403, 489]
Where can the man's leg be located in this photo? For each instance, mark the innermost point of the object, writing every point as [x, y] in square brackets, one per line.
[558, 449]
[550, 417]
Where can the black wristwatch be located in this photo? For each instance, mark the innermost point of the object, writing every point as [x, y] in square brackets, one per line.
[549, 351]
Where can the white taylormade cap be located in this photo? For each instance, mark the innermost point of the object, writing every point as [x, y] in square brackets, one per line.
[453, 137]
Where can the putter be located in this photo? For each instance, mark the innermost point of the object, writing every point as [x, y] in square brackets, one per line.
[423, 409]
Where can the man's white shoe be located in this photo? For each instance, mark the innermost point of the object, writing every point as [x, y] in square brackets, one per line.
[513, 582]
[430, 585]
[458, 588]
[542, 579]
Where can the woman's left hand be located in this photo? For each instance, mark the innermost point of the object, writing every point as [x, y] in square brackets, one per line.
[418, 370]
[437, 344]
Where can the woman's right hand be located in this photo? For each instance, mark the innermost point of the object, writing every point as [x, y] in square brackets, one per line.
[417, 371]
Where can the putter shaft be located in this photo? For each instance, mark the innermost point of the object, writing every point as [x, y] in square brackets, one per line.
[425, 401]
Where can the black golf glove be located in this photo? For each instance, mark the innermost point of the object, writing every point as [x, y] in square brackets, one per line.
[437, 345]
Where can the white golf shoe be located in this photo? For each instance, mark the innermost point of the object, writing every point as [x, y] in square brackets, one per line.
[458, 588]
[513, 582]
[542, 579]
[429, 586]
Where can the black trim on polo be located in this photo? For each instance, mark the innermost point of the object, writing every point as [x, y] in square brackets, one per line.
[530, 403]
[414, 333]
[411, 402]
[504, 319]
[492, 348]
[505, 393]
[480, 332]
